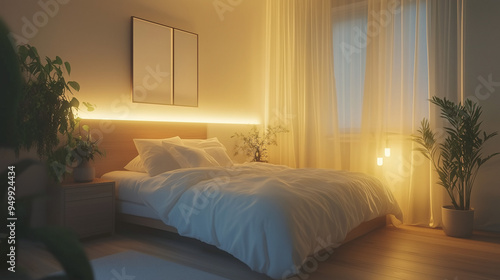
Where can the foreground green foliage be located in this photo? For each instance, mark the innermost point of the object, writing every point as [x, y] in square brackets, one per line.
[14, 134]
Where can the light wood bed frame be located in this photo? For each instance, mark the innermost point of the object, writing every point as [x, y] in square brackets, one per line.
[116, 140]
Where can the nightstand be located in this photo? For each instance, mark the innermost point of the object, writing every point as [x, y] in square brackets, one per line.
[86, 208]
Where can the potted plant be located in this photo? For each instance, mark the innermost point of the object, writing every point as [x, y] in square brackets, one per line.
[47, 108]
[82, 151]
[254, 143]
[456, 159]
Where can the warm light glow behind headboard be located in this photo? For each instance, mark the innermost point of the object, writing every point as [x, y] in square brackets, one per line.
[183, 119]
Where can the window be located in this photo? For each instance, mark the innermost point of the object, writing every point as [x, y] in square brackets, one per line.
[349, 52]
[405, 66]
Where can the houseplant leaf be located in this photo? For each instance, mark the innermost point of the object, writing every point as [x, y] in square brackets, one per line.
[68, 67]
[74, 85]
[74, 103]
[57, 61]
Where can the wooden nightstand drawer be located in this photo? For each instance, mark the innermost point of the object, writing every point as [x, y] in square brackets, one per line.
[86, 208]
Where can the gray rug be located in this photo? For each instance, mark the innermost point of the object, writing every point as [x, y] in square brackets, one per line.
[132, 265]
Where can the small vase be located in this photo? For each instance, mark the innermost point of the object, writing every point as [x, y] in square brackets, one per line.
[84, 172]
[457, 223]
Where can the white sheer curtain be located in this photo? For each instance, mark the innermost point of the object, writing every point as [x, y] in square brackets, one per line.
[387, 58]
[395, 97]
[300, 85]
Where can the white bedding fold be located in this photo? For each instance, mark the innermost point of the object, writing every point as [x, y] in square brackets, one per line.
[270, 217]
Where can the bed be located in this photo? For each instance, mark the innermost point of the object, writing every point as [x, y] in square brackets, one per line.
[273, 218]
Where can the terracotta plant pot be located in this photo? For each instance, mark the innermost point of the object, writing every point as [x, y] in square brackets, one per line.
[85, 172]
[457, 223]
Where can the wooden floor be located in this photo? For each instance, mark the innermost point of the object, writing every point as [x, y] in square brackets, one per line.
[387, 253]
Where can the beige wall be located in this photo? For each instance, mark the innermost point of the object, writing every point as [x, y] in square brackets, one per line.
[95, 37]
[482, 82]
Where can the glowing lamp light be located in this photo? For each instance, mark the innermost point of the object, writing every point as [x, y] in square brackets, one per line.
[380, 161]
[387, 152]
[155, 118]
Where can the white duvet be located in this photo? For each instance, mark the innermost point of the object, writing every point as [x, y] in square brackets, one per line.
[270, 217]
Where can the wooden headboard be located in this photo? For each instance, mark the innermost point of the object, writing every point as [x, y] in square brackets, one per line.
[115, 138]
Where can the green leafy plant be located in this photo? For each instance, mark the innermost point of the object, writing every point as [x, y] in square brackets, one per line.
[79, 147]
[62, 243]
[83, 147]
[254, 143]
[458, 157]
[47, 109]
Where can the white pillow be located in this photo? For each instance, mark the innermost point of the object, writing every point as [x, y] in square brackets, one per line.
[220, 155]
[189, 157]
[154, 157]
[135, 165]
[203, 143]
